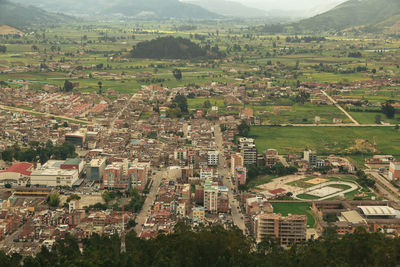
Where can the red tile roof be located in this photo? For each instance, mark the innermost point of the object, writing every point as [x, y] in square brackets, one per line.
[22, 168]
[277, 191]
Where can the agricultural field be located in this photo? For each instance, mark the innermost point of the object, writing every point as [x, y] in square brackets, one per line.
[327, 140]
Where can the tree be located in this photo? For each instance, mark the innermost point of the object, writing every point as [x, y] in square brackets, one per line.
[177, 74]
[207, 104]
[73, 197]
[3, 48]
[181, 102]
[53, 200]
[100, 84]
[388, 110]
[244, 129]
[68, 86]
[378, 119]
[106, 196]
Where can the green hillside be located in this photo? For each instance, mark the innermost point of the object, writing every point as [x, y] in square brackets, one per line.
[17, 15]
[368, 14]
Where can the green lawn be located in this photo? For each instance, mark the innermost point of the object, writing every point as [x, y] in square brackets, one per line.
[370, 117]
[259, 180]
[307, 197]
[286, 208]
[326, 140]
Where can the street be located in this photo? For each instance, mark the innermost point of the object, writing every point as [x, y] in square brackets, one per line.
[237, 215]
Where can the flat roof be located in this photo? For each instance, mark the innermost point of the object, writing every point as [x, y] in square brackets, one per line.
[72, 161]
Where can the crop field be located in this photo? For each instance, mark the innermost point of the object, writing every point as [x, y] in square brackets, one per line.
[327, 140]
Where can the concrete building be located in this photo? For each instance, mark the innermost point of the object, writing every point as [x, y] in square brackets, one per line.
[248, 151]
[96, 169]
[17, 174]
[394, 170]
[236, 161]
[137, 174]
[213, 158]
[112, 177]
[206, 173]
[76, 138]
[271, 157]
[210, 196]
[241, 176]
[311, 157]
[180, 154]
[198, 213]
[57, 173]
[288, 230]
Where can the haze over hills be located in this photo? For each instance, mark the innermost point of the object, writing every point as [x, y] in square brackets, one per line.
[229, 8]
[18, 15]
[368, 14]
[130, 8]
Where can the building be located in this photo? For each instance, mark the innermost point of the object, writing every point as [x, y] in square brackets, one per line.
[137, 174]
[394, 170]
[198, 214]
[54, 177]
[223, 202]
[96, 169]
[271, 157]
[288, 230]
[236, 161]
[206, 173]
[241, 176]
[210, 196]
[248, 151]
[180, 154]
[311, 157]
[17, 174]
[56, 173]
[112, 177]
[77, 138]
[73, 164]
[213, 158]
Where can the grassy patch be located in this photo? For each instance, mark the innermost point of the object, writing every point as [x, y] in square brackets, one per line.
[286, 208]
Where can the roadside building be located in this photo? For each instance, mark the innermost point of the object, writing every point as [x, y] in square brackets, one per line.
[137, 174]
[96, 169]
[311, 157]
[248, 151]
[394, 170]
[212, 158]
[112, 177]
[210, 196]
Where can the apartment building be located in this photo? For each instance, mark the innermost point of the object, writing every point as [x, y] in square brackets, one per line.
[212, 158]
[248, 151]
[288, 230]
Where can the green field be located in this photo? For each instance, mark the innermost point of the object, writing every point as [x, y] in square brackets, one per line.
[327, 140]
[285, 208]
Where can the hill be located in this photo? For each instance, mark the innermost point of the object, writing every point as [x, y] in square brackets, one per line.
[367, 14]
[154, 9]
[172, 48]
[7, 30]
[18, 15]
[230, 8]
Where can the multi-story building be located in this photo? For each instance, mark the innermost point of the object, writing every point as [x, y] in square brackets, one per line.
[394, 170]
[206, 173]
[311, 157]
[271, 157]
[198, 213]
[223, 202]
[241, 175]
[180, 154]
[248, 151]
[213, 158]
[236, 161]
[51, 174]
[96, 169]
[137, 174]
[112, 177]
[288, 230]
[210, 196]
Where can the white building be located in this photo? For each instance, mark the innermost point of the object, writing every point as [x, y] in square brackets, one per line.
[54, 177]
[213, 158]
[206, 173]
[210, 196]
[248, 151]
[311, 157]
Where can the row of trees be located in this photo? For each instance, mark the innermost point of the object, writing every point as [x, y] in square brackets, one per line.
[214, 246]
[39, 151]
[278, 169]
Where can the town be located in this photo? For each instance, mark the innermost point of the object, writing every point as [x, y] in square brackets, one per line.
[257, 138]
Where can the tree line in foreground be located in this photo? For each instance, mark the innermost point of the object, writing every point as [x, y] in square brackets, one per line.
[215, 246]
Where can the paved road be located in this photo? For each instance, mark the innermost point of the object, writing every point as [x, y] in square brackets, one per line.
[237, 215]
[111, 127]
[339, 107]
[43, 114]
[151, 197]
[385, 186]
